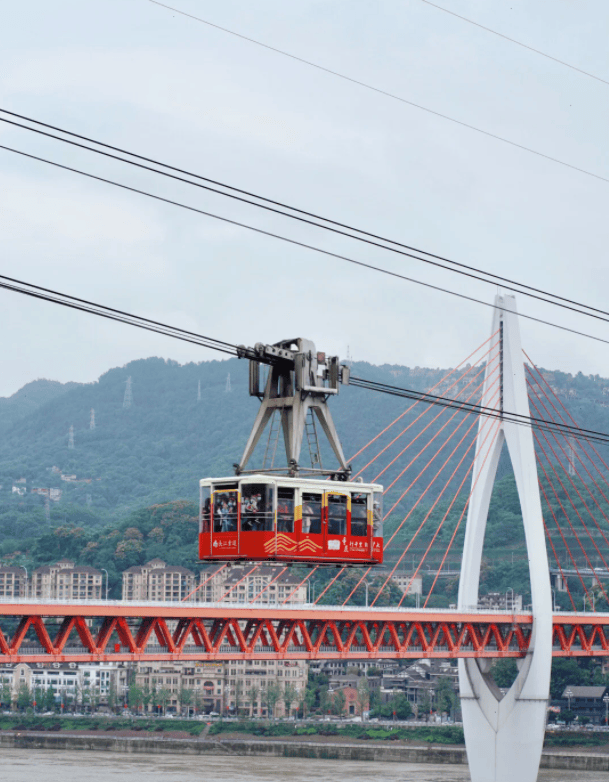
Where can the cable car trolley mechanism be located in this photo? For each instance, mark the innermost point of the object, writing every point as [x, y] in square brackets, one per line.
[276, 513]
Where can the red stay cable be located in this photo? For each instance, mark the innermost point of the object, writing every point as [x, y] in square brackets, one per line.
[592, 478]
[441, 524]
[249, 573]
[422, 495]
[465, 507]
[302, 583]
[436, 417]
[564, 540]
[431, 459]
[562, 575]
[579, 516]
[433, 388]
[329, 585]
[563, 508]
[436, 501]
[272, 581]
[205, 582]
[401, 497]
[417, 419]
[603, 476]
[574, 485]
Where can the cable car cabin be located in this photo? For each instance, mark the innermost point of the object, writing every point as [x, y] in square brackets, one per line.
[282, 519]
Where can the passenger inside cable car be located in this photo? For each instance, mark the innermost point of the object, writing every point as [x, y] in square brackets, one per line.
[287, 519]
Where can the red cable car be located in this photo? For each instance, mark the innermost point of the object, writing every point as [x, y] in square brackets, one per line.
[282, 519]
[276, 514]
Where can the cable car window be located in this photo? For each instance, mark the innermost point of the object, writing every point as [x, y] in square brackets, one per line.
[311, 513]
[337, 514]
[256, 507]
[377, 515]
[359, 515]
[205, 506]
[225, 511]
[285, 510]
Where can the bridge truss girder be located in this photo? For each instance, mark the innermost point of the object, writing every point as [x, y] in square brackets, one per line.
[78, 633]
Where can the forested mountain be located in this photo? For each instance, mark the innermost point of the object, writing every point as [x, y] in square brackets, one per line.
[155, 451]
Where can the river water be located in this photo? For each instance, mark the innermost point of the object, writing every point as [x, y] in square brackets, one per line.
[20, 765]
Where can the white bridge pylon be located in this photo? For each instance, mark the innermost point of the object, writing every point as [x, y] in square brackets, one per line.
[504, 735]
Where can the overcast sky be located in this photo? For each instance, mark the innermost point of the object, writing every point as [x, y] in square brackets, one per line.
[138, 76]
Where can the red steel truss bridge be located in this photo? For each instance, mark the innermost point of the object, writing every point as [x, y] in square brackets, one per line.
[90, 632]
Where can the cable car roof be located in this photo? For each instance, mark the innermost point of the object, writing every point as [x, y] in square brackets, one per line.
[293, 482]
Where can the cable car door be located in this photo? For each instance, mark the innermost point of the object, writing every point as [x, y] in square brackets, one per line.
[311, 543]
[226, 512]
[360, 526]
[336, 507]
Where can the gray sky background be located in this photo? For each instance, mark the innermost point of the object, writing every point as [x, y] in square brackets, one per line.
[138, 76]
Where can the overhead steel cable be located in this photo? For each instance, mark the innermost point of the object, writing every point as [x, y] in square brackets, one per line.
[277, 207]
[392, 95]
[110, 313]
[73, 302]
[297, 243]
[517, 418]
[518, 43]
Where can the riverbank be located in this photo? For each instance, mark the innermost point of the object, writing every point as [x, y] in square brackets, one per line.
[278, 748]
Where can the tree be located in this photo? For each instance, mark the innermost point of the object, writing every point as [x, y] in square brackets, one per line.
[134, 697]
[446, 697]
[24, 697]
[197, 701]
[112, 697]
[238, 695]
[85, 695]
[48, 699]
[324, 699]
[504, 672]
[567, 716]
[338, 703]
[252, 694]
[306, 700]
[566, 672]
[398, 705]
[185, 697]
[402, 707]
[38, 698]
[424, 702]
[147, 695]
[273, 693]
[363, 696]
[290, 693]
[6, 696]
[162, 697]
[94, 698]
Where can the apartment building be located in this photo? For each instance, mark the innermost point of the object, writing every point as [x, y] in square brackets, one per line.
[67, 581]
[245, 584]
[252, 688]
[156, 580]
[13, 582]
[74, 684]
